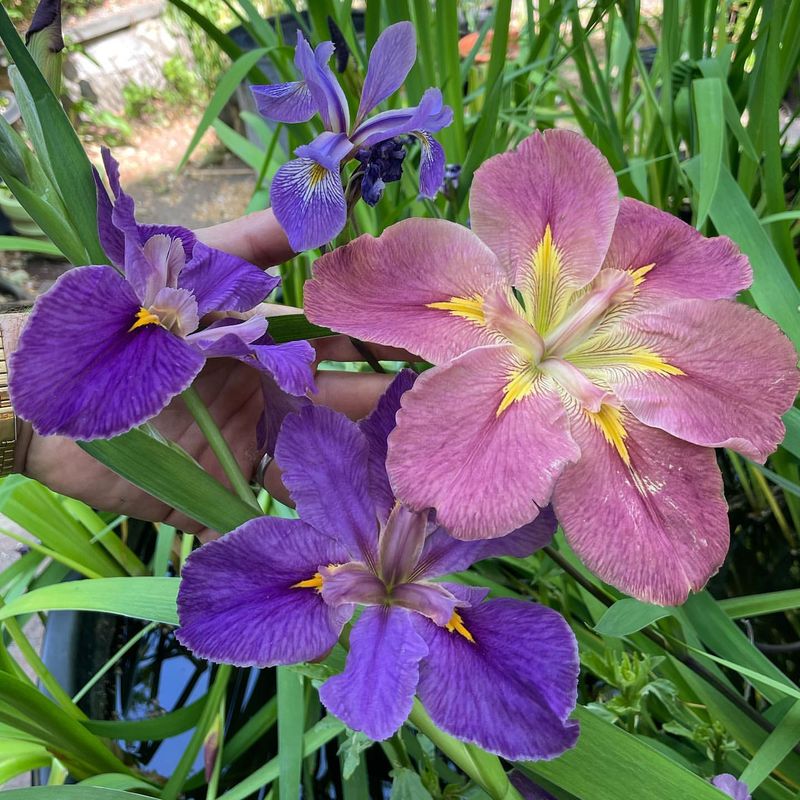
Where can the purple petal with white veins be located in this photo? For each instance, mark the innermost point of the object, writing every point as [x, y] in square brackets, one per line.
[308, 202]
[239, 602]
[377, 427]
[728, 784]
[323, 458]
[328, 95]
[392, 56]
[431, 115]
[375, 692]
[285, 102]
[443, 553]
[431, 165]
[81, 372]
[512, 689]
[224, 282]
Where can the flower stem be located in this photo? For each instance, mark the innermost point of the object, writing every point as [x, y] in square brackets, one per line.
[222, 451]
[484, 768]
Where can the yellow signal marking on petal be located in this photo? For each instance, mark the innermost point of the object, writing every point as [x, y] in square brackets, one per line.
[144, 317]
[470, 308]
[550, 300]
[611, 351]
[609, 420]
[316, 174]
[645, 360]
[520, 385]
[311, 583]
[456, 625]
[638, 274]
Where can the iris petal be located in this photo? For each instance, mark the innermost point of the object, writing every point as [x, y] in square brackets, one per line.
[308, 202]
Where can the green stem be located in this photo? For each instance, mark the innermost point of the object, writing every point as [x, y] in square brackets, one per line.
[484, 768]
[222, 451]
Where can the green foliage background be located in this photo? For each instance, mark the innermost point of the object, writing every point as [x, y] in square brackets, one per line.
[692, 109]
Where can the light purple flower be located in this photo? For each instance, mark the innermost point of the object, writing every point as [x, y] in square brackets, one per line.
[107, 347]
[728, 784]
[500, 673]
[307, 194]
[587, 350]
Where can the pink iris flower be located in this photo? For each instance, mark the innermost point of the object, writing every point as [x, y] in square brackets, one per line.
[588, 352]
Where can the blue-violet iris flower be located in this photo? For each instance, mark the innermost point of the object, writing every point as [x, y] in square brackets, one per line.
[107, 347]
[500, 673]
[307, 194]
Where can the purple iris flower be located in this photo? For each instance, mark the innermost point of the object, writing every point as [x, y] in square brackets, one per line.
[728, 784]
[107, 347]
[500, 673]
[307, 194]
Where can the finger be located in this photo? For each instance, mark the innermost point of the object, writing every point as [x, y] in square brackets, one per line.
[352, 393]
[341, 348]
[256, 237]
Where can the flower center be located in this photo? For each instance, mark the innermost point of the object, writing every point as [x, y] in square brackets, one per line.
[175, 310]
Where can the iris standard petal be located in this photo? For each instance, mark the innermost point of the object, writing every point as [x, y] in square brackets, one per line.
[547, 209]
[511, 689]
[239, 601]
[285, 102]
[323, 458]
[111, 238]
[308, 202]
[430, 115]
[375, 692]
[739, 375]
[376, 428]
[486, 470]
[328, 95]
[431, 165]
[728, 784]
[392, 56]
[443, 553]
[81, 372]
[679, 261]
[224, 282]
[648, 515]
[418, 286]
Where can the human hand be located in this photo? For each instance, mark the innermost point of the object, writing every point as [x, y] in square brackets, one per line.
[230, 389]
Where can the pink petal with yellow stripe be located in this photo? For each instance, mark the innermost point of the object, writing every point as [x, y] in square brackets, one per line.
[679, 261]
[738, 376]
[486, 462]
[547, 209]
[419, 286]
[642, 509]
